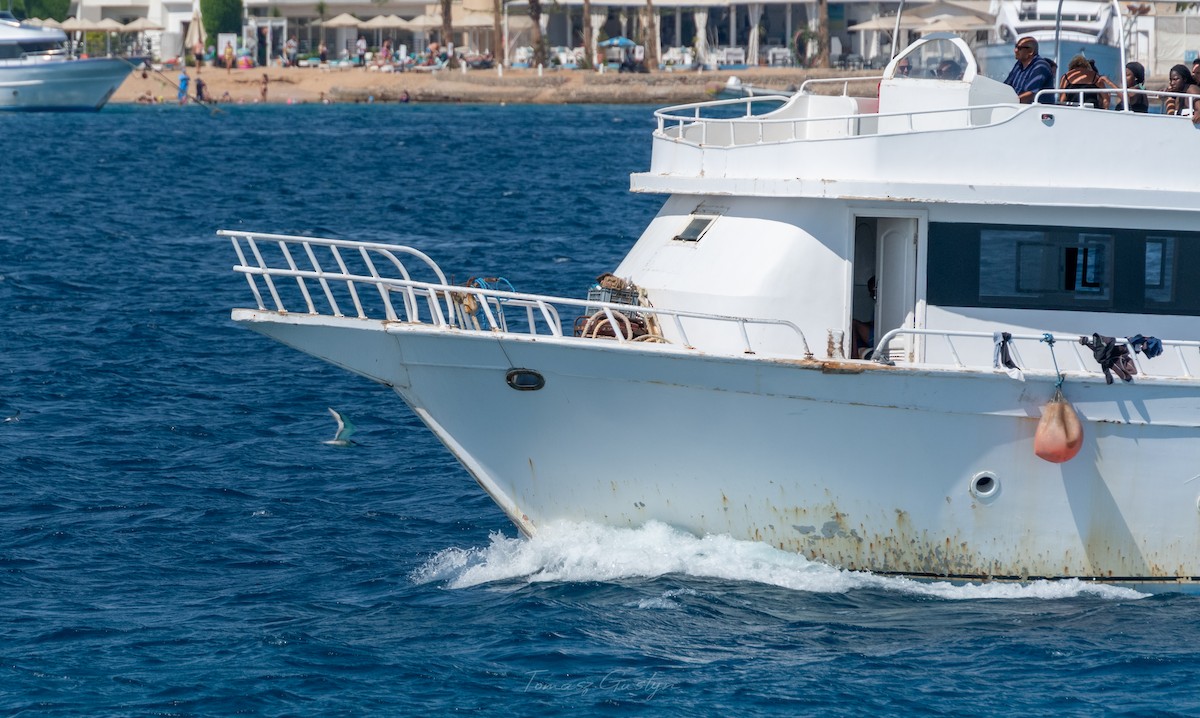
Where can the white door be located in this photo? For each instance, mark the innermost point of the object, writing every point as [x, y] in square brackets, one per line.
[896, 283]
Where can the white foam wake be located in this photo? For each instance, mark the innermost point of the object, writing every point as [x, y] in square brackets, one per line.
[570, 552]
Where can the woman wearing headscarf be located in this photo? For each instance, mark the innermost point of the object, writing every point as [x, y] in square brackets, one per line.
[1180, 81]
[1135, 80]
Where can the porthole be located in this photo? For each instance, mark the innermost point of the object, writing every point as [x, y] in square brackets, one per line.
[525, 379]
[984, 485]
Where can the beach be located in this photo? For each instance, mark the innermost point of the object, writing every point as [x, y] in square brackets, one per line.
[307, 85]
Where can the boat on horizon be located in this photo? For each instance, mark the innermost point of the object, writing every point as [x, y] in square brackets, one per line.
[37, 73]
[841, 335]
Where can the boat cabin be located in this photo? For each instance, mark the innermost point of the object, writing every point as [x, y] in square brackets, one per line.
[973, 213]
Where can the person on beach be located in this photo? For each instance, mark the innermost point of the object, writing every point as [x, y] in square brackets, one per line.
[198, 54]
[361, 48]
[263, 90]
[183, 86]
[201, 90]
[324, 54]
[229, 57]
[291, 51]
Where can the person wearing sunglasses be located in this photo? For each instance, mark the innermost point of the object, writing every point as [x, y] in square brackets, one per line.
[1030, 73]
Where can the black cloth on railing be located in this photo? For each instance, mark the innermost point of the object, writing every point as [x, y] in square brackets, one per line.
[1002, 356]
[1111, 356]
[1150, 346]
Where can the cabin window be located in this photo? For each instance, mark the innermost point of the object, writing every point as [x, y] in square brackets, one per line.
[1039, 266]
[1160, 269]
[1096, 270]
[696, 227]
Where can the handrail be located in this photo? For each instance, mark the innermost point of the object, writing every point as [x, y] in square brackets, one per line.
[448, 306]
[386, 251]
[1055, 92]
[761, 122]
[1082, 365]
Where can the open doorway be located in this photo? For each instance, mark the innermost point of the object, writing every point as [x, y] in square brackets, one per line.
[885, 284]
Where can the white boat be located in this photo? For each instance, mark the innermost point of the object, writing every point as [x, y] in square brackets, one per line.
[1083, 27]
[37, 74]
[716, 389]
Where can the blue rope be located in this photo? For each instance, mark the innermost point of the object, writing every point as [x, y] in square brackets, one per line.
[1049, 339]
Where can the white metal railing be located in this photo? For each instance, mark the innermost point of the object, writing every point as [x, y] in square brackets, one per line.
[676, 125]
[271, 259]
[1083, 363]
[1051, 95]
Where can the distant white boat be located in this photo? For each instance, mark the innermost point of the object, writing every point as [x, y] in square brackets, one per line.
[36, 72]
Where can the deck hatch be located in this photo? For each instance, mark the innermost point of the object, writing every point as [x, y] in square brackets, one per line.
[696, 227]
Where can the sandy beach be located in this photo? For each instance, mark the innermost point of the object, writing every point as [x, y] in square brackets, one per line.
[306, 85]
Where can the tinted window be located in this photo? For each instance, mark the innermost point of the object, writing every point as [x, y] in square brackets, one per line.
[973, 265]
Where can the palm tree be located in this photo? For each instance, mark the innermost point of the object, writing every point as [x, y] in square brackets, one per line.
[539, 43]
[822, 57]
[651, 35]
[497, 32]
[448, 33]
[322, 11]
[589, 39]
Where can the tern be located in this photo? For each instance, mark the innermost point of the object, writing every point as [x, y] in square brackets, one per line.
[344, 430]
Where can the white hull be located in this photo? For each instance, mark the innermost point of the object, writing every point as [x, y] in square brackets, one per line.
[798, 250]
[71, 85]
[814, 457]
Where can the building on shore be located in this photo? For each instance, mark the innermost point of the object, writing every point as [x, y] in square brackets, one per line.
[690, 33]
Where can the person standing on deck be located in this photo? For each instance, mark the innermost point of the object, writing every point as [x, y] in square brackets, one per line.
[1030, 73]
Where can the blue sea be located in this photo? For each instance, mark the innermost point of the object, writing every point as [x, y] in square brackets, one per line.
[177, 540]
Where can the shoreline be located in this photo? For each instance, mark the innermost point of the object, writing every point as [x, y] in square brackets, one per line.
[299, 85]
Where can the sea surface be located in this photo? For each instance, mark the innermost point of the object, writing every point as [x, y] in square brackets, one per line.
[177, 540]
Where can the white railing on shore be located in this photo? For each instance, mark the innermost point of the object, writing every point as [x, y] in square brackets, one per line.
[366, 275]
[1063, 351]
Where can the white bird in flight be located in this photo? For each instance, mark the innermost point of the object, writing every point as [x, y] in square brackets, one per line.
[344, 430]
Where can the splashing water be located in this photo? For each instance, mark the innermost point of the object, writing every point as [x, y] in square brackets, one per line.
[577, 552]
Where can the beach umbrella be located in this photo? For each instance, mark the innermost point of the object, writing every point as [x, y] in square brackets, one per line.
[195, 36]
[51, 22]
[343, 20]
[425, 22]
[472, 20]
[621, 42]
[381, 22]
[888, 24]
[74, 24]
[940, 8]
[957, 23]
[141, 25]
[108, 26]
[35, 21]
